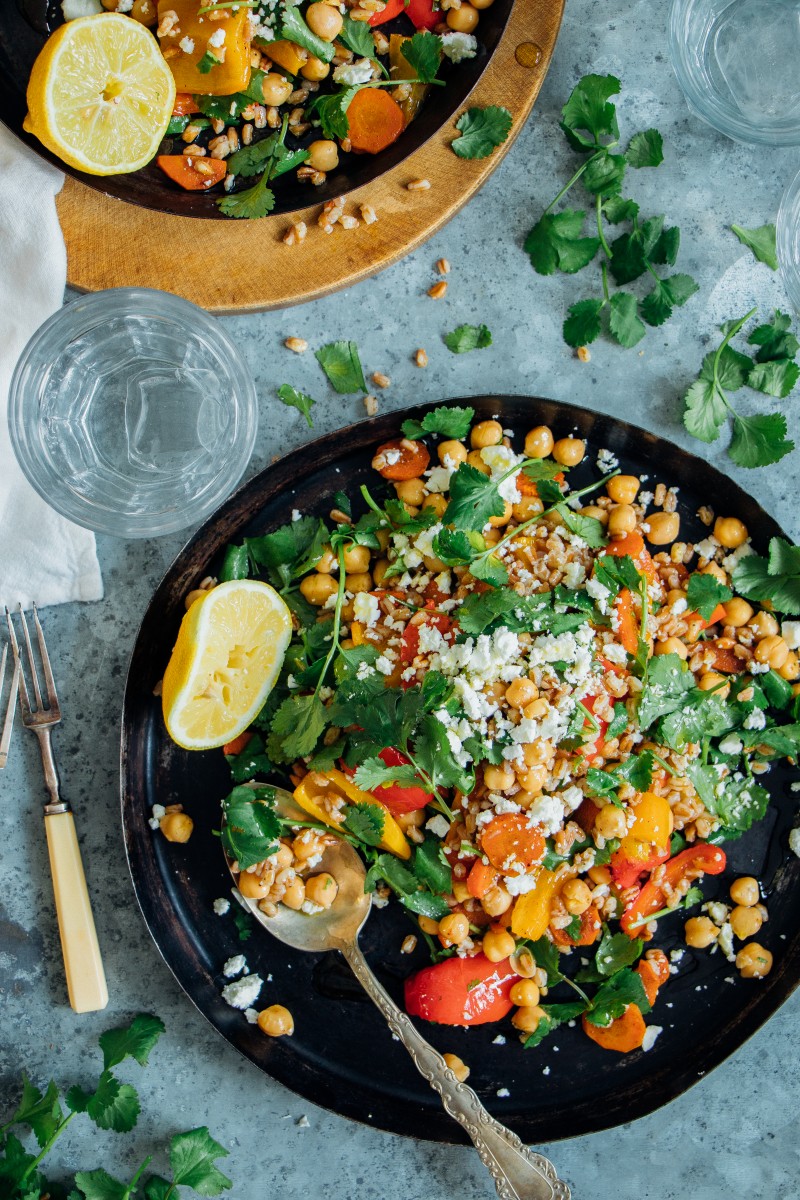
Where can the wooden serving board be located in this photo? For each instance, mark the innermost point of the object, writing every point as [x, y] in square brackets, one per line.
[114, 244]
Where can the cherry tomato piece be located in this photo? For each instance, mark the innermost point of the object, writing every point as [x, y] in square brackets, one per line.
[461, 991]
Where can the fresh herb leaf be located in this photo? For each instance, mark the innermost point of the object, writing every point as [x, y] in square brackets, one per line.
[235, 564]
[775, 378]
[341, 363]
[113, 1105]
[423, 53]
[449, 422]
[252, 204]
[294, 29]
[611, 1000]
[292, 398]
[704, 593]
[760, 440]
[468, 337]
[554, 1016]
[557, 241]
[616, 950]
[374, 773]
[761, 241]
[208, 62]
[41, 1111]
[776, 578]
[299, 723]
[624, 325]
[432, 868]
[365, 822]
[251, 828]
[474, 499]
[357, 36]
[774, 339]
[645, 149]
[290, 550]
[131, 1041]
[99, 1185]
[583, 324]
[330, 109]
[244, 922]
[668, 293]
[668, 681]
[482, 131]
[192, 1157]
[737, 804]
[587, 111]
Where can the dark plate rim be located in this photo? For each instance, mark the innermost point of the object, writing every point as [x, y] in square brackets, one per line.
[361, 1103]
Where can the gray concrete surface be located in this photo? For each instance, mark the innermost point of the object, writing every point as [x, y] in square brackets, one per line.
[735, 1132]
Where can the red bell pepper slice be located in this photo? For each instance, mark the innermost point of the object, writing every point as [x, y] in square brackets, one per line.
[703, 859]
[393, 9]
[400, 798]
[627, 872]
[588, 933]
[410, 640]
[592, 749]
[461, 991]
[422, 14]
[633, 545]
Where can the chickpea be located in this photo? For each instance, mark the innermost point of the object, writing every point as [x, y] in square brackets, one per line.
[524, 963]
[525, 994]
[623, 489]
[474, 459]
[455, 452]
[328, 563]
[295, 894]
[700, 932]
[599, 514]
[283, 856]
[383, 538]
[536, 709]
[764, 624]
[610, 822]
[730, 532]
[318, 588]
[315, 70]
[411, 491]
[538, 442]
[674, 595]
[531, 781]
[772, 650]
[322, 889]
[275, 89]
[754, 961]
[323, 155]
[356, 559]
[360, 581]
[576, 896]
[498, 779]
[463, 19]
[324, 20]
[457, 1066]
[672, 645]
[460, 891]
[255, 887]
[144, 11]
[744, 891]
[527, 507]
[716, 572]
[305, 846]
[276, 1021]
[482, 3]
[569, 451]
[527, 1019]
[712, 681]
[621, 519]
[177, 826]
[437, 502]
[498, 945]
[379, 570]
[738, 612]
[432, 563]
[600, 876]
[496, 901]
[485, 433]
[745, 922]
[428, 925]
[521, 691]
[453, 929]
[791, 668]
[663, 528]
[506, 514]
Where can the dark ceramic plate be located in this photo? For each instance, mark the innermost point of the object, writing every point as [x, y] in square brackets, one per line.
[25, 25]
[342, 1055]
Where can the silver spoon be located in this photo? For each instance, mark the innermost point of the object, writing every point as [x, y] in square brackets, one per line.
[518, 1173]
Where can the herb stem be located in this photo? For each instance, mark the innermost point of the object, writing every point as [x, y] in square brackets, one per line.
[337, 621]
[573, 180]
[604, 272]
[734, 329]
[47, 1147]
[600, 234]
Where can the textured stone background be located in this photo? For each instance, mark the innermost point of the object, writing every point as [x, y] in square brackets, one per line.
[735, 1132]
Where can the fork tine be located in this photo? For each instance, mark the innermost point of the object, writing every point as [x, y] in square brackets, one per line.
[34, 676]
[24, 698]
[5, 737]
[3, 669]
[52, 697]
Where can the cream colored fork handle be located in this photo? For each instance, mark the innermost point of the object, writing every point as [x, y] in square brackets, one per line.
[86, 981]
[518, 1173]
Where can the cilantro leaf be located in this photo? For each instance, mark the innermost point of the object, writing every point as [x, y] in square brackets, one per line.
[365, 821]
[294, 29]
[615, 210]
[251, 204]
[290, 550]
[704, 593]
[114, 1105]
[489, 570]
[738, 804]
[587, 528]
[667, 246]
[587, 109]
[454, 546]
[374, 773]
[657, 307]
[554, 1016]
[423, 53]
[192, 1158]
[479, 611]
[341, 363]
[705, 411]
[253, 159]
[131, 1041]
[99, 1185]
[449, 421]
[611, 1000]
[407, 887]
[331, 111]
[468, 337]
[251, 828]
[292, 398]
[604, 174]
[235, 564]
[357, 36]
[582, 324]
[299, 722]
[474, 499]
[482, 130]
[668, 681]
[624, 324]
[208, 62]
[616, 950]
[774, 339]
[556, 241]
[645, 149]
[761, 241]
[774, 378]
[701, 715]
[776, 579]
[759, 440]
[432, 868]
[41, 1111]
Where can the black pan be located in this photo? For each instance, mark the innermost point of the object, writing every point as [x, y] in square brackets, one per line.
[342, 1055]
[25, 25]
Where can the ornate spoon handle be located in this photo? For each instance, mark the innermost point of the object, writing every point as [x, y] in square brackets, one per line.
[518, 1173]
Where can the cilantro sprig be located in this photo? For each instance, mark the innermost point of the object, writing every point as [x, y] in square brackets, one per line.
[481, 131]
[762, 241]
[449, 421]
[558, 239]
[775, 578]
[293, 398]
[273, 157]
[756, 441]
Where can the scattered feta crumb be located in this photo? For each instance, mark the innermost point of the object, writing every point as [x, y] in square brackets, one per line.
[794, 842]
[650, 1035]
[73, 9]
[458, 46]
[242, 993]
[303, 1123]
[438, 825]
[252, 1016]
[546, 1071]
[234, 966]
[755, 720]
[222, 906]
[352, 74]
[606, 461]
[790, 632]
[186, 44]
[296, 514]
[503, 1092]
[499, 1040]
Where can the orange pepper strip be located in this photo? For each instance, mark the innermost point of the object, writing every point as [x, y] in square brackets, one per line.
[624, 1034]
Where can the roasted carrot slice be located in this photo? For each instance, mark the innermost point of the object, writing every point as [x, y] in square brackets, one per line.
[624, 1034]
[633, 544]
[184, 105]
[588, 933]
[653, 970]
[627, 626]
[376, 121]
[480, 879]
[192, 174]
[509, 839]
[238, 744]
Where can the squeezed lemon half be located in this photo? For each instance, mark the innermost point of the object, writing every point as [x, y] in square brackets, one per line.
[100, 94]
[229, 651]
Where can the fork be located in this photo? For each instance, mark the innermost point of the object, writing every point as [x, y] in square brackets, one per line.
[86, 981]
[5, 736]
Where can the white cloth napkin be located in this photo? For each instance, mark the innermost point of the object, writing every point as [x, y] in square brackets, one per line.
[43, 557]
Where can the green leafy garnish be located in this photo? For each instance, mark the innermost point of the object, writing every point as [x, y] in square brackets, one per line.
[474, 499]
[423, 53]
[251, 828]
[330, 109]
[357, 36]
[448, 422]
[468, 337]
[611, 1000]
[341, 363]
[704, 593]
[365, 822]
[294, 29]
[293, 398]
[271, 154]
[482, 131]
[208, 62]
[761, 241]
[775, 579]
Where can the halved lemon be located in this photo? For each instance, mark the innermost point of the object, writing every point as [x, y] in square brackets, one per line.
[229, 651]
[100, 94]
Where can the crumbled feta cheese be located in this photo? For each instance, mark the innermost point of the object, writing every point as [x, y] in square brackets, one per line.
[458, 46]
[221, 907]
[384, 665]
[606, 461]
[755, 719]
[252, 1016]
[438, 479]
[545, 1070]
[499, 460]
[790, 632]
[571, 798]
[73, 9]
[574, 574]
[725, 942]
[187, 46]
[717, 911]
[708, 547]
[309, 907]
[296, 514]
[351, 75]
[547, 811]
[794, 842]
[731, 744]
[243, 992]
[650, 1035]
[366, 608]
[503, 1092]
[438, 825]
[217, 38]
[679, 606]
[499, 1040]
[732, 560]
[234, 966]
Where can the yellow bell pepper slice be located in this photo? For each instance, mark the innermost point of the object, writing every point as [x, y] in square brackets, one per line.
[652, 827]
[531, 915]
[402, 69]
[186, 42]
[307, 793]
[286, 55]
